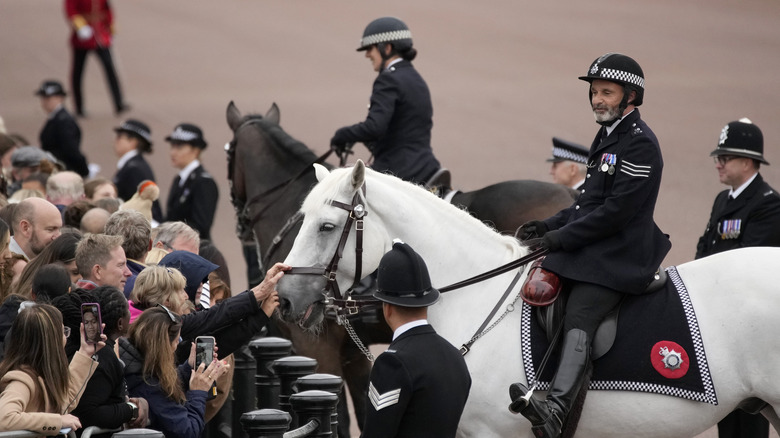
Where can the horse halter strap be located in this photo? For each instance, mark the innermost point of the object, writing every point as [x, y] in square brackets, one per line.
[357, 211]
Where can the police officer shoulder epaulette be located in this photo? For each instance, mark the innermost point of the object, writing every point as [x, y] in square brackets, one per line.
[636, 130]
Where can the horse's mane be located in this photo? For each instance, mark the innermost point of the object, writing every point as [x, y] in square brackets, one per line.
[281, 138]
[329, 188]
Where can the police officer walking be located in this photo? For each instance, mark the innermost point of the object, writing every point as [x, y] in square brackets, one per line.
[606, 244]
[397, 129]
[747, 214]
[419, 386]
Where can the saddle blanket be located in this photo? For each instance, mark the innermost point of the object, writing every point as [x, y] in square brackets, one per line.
[657, 349]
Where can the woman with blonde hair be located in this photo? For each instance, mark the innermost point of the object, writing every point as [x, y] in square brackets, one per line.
[176, 405]
[159, 285]
[39, 388]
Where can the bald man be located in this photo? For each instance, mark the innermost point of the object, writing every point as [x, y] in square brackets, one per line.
[94, 221]
[36, 223]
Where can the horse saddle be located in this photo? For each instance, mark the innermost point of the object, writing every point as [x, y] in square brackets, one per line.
[550, 317]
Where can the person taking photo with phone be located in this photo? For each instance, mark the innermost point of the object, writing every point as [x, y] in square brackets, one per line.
[39, 387]
[176, 395]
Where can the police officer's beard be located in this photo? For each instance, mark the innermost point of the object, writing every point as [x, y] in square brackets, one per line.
[611, 114]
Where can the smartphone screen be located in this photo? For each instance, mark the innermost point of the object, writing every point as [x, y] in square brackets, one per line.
[90, 316]
[204, 350]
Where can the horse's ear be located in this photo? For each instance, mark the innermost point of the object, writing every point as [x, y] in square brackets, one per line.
[358, 174]
[320, 171]
[273, 114]
[233, 116]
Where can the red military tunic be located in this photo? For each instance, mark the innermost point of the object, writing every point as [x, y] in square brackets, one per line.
[95, 13]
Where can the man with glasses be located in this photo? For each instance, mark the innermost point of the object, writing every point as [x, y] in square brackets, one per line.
[748, 213]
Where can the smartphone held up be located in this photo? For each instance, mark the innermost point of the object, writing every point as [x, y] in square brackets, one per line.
[93, 327]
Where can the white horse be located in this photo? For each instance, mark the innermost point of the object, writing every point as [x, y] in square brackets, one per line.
[734, 295]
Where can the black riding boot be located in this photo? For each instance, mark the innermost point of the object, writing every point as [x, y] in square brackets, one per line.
[548, 416]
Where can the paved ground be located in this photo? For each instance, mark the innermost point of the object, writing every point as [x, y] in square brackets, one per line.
[502, 74]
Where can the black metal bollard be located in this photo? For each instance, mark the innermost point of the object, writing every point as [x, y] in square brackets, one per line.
[266, 351]
[244, 394]
[315, 405]
[288, 370]
[139, 433]
[266, 423]
[322, 382]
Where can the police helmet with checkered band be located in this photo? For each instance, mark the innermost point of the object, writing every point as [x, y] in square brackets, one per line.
[387, 30]
[621, 69]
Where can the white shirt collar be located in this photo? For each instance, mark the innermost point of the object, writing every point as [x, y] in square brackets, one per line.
[57, 109]
[734, 193]
[125, 158]
[617, 122]
[393, 62]
[408, 326]
[185, 173]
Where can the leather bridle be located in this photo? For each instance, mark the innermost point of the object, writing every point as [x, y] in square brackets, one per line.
[344, 303]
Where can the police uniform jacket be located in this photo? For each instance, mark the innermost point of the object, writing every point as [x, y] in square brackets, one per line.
[398, 127]
[608, 236]
[195, 202]
[418, 388]
[95, 13]
[61, 136]
[126, 180]
[751, 219]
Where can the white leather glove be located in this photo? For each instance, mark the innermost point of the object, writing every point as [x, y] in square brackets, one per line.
[85, 32]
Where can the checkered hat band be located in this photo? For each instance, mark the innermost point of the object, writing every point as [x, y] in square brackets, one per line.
[144, 134]
[182, 135]
[384, 37]
[611, 73]
[568, 155]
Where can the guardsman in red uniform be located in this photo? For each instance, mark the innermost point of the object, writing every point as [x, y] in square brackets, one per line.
[92, 24]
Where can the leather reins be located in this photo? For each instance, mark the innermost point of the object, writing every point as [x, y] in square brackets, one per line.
[345, 304]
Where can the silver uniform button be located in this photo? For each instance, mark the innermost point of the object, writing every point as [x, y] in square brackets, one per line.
[583, 191]
[588, 176]
[576, 207]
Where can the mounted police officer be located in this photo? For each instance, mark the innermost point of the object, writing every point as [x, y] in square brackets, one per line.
[606, 244]
[397, 129]
[747, 214]
[568, 163]
[411, 395]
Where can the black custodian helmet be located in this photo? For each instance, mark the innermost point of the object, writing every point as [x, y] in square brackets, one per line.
[387, 30]
[403, 279]
[621, 69]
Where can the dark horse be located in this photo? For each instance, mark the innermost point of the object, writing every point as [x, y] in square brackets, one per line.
[270, 175]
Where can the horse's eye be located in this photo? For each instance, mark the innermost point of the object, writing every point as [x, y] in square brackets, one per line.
[327, 227]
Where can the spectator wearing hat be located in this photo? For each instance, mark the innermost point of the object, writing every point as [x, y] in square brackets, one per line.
[92, 24]
[410, 394]
[746, 214]
[25, 161]
[568, 163]
[194, 194]
[61, 134]
[133, 140]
